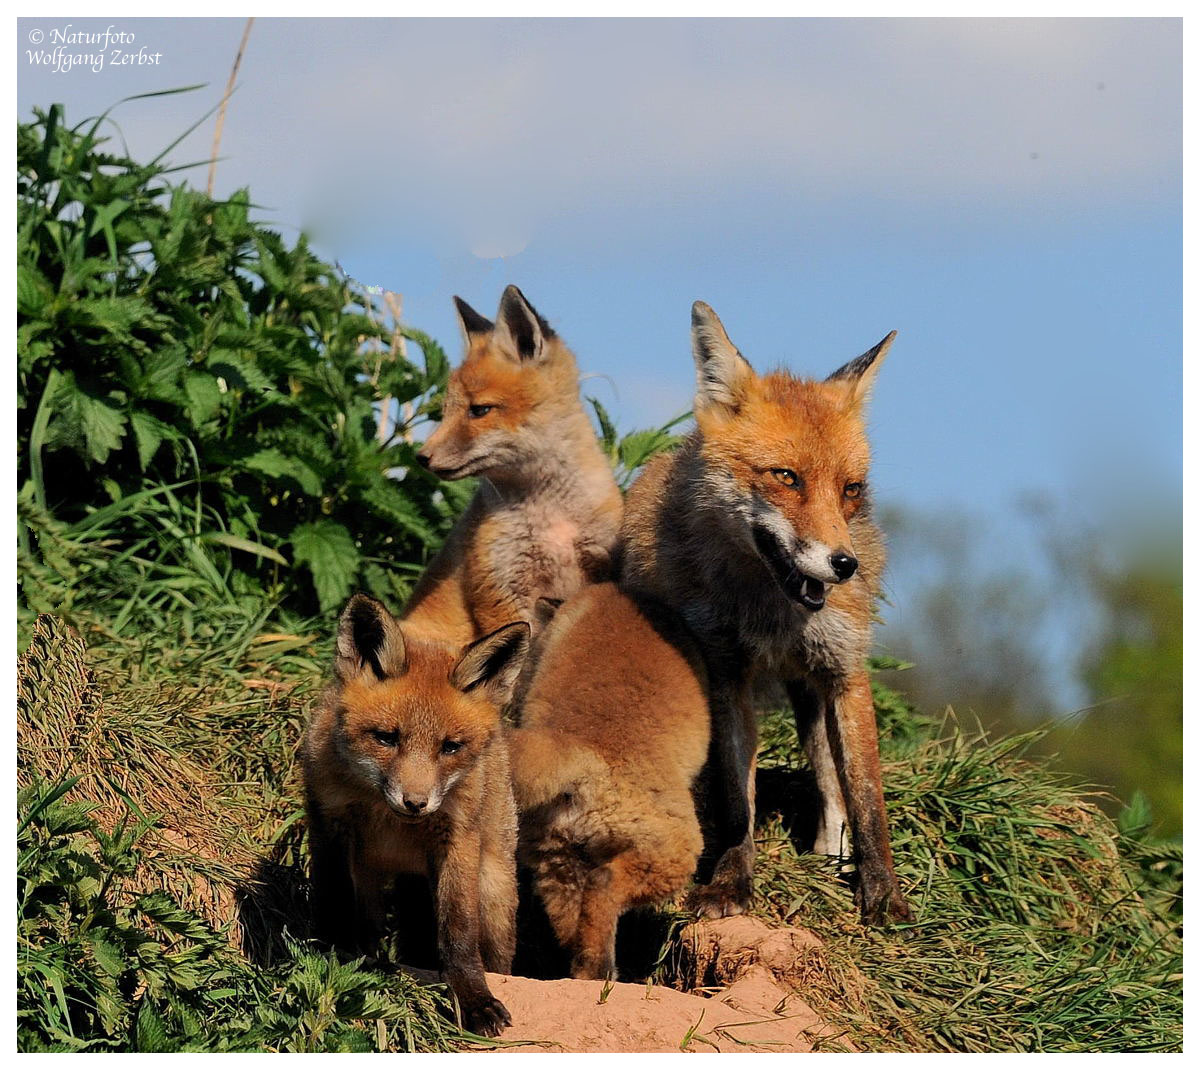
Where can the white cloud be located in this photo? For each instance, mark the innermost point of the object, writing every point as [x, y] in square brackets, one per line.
[483, 130]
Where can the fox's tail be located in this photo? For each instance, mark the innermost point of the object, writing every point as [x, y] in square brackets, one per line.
[548, 764]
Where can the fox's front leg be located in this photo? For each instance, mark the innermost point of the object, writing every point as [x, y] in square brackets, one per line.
[333, 895]
[369, 908]
[731, 803]
[456, 894]
[833, 823]
[854, 739]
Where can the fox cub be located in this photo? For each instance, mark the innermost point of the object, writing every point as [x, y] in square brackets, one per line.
[406, 772]
[547, 512]
[614, 729]
[758, 532]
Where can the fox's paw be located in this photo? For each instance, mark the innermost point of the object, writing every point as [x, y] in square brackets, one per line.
[486, 1016]
[882, 902]
[718, 900]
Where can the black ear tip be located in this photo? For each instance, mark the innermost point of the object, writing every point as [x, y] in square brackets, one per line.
[516, 631]
[359, 601]
[701, 313]
[519, 314]
[472, 320]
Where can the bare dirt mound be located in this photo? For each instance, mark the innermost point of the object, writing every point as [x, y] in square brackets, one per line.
[749, 1008]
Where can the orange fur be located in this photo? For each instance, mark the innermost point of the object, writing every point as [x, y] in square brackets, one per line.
[614, 731]
[406, 772]
[547, 512]
[758, 532]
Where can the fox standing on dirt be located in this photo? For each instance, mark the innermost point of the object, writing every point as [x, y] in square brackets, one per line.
[757, 531]
[406, 772]
[614, 730]
[547, 513]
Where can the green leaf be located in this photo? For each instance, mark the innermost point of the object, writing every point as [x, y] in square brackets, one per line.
[204, 397]
[608, 430]
[107, 955]
[437, 367]
[387, 500]
[237, 371]
[150, 1034]
[149, 433]
[1136, 816]
[272, 462]
[351, 1040]
[639, 446]
[94, 418]
[115, 315]
[33, 290]
[331, 556]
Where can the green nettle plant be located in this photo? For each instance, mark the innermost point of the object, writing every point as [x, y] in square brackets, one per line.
[203, 408]
[211, 426]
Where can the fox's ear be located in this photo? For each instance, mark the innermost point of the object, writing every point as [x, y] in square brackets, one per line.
[859, 374]
[722, 373]
[369, 640]
[520, 328]
[493, 663]
[472, 322]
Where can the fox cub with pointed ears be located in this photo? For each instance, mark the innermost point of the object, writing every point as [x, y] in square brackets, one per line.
[758, 532]
[547, 513]
[406, 772]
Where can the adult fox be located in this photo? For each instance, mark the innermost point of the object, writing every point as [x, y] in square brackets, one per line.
[547, 513]
[757, 531]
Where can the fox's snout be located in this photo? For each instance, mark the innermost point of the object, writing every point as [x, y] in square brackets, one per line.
[413, 787]
[802, 568]
[416, 801]
[416, 804]
[818, 561]
[438, 454]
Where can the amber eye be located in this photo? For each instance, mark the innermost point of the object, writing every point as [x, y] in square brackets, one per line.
[452, 746]
[477, 411]
[853, 490]
[386, 739]
[786, 476]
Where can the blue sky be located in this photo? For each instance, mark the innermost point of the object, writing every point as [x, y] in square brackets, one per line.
[1007, 194]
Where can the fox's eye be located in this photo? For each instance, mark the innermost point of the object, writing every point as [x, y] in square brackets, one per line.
[853, 490]
[477, 411]
[786, 476]
[451, 746]
[386, 739]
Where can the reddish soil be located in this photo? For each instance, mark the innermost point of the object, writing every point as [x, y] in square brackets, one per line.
[742, 1002]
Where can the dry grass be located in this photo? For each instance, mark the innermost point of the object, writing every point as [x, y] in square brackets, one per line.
[1040, 927]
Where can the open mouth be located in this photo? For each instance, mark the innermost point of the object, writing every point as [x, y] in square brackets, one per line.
[806, 590]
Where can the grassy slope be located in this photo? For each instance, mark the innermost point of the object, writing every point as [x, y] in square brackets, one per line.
[1041, 926]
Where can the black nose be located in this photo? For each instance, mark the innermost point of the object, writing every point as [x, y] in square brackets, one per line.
[423, 460]
[414, 804]
[843, 566]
